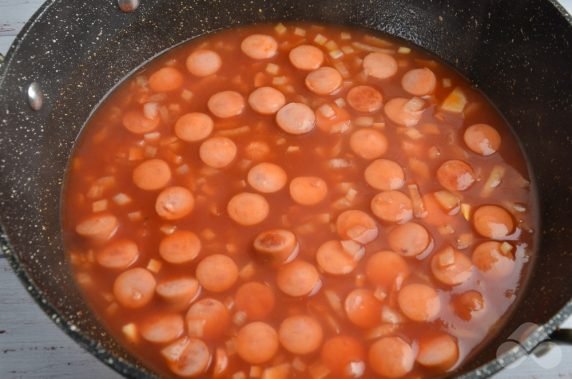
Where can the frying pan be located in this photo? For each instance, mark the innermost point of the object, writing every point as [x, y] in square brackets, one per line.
[518, 52]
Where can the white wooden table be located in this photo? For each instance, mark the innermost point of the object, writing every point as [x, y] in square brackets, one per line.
[31, 346]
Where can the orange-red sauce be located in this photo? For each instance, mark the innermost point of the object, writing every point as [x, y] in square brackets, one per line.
[154, 194]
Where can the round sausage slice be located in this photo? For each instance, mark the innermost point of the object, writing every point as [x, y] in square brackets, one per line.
[226, 104]
[300, 334]
[255, 299]
[482, 139]
[259, 46]
[392, 206]
[180, 247]
[308, 190]
[357, 226]
[365, 99]
[179, 291]
[384, 175]
[409, 239]
[391, 357]
[368, 143]
[324, 81]
[203, 62]
[151, 175]
[98, 227]
[334, 259]
[451, 267]
[193, 127]
[217, 152]
[266, 100]
[493, 222]
[217, 272]
[296, 118]
[166, 79]
[419, 81]
[492, 261]
[404, 112]
[248, 208]
[362, 308]
[188, 357]
[134, 288]
[162, 328]
[419, 302]
[207, 319]
[340, 353]
[277, 245]
[174, 203]
[137, 123]
[455, 175]
[257, 342]
[306, 57]
[118, 255]
[385, 267]
[379, 65]
[439, 351]
[298, 278]
[267, 177]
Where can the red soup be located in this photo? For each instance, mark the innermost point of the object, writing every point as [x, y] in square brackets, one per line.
[298, 201]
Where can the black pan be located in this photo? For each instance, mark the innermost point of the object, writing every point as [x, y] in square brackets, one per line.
[518, 52]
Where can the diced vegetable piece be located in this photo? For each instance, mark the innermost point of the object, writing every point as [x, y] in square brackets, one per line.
[320, 39]
[280, 371]
[403, 50]
[448, 201]
[493, 181]
[466, 211]
[99, 206]
[381, 331]
[130, 331]
[154, 266]
[419, 210]
[506, 247]
[299, 32]
[455, 102]
[280, 28]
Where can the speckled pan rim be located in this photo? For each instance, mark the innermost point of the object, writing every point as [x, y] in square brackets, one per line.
[128, 369]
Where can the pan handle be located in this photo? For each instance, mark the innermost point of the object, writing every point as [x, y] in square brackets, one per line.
[562, 336]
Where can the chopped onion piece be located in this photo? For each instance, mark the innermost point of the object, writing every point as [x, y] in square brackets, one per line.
[183, 169]
[348, 50]
[334, 301]
[154, 266]
[239, 375]
[506, 247]
[331, 45]
[280, 28]
[382, 330]
[248, 271]
[208, 234]
[327, 111]
[455, 102]
[168, 229]
[234, 132]
[340, 102]
[448, 201]
[279, 80]
[354, 249]
[99, 205]
[342, 68]
[345, 36]
[494, 180]
[272, 68]
[292, 149]
[390, 316]
[418, 205]
[339, 163]
[320, 39]
[336, 54]
[466, 211]
[299, 32]
[363, 121]
[403, 50]
[464, 240]
[135, 216]
[151, 110]
[121, 199]
[446, 230]
[380, 293]
[130, 331]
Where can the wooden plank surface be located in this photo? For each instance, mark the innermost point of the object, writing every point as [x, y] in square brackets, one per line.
[31, 346]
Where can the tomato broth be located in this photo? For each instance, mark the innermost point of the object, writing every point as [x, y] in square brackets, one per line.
[298, 201]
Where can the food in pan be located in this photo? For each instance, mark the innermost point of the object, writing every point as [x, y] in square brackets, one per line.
[298, 201]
